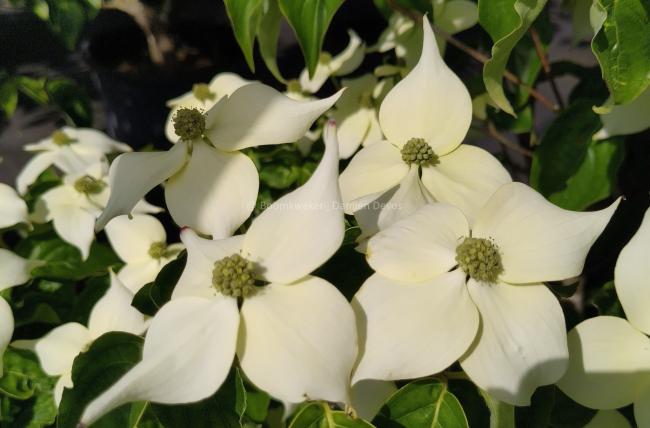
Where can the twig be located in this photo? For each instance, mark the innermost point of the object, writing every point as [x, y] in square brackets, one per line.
[478, 56]
[491, 131]
[546, 66]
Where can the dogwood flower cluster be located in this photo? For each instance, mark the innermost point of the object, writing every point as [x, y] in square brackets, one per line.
[460, 252]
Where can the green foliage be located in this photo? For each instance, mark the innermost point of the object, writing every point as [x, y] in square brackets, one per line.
[551, 408]
[107, 359]
[571, 169]
[422, 404]
[310, 19]
[154, 295]
[245, 16]
[506, 21]
[622, 46]
[320, 415]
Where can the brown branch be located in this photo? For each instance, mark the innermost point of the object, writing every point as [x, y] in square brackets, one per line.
[491, 131]
[476, 55]
[546, 66]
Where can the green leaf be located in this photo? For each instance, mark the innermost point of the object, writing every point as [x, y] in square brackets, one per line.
[154, 295]
[606, 300]
[224, 409]
[310, 20]
[34, 88]
[245, 16]
[319, 415]
[422, 404]
[622, 46]
[8, 97]
[571, 169]
[502, 415]
[257, 404]
[72, 99]
[268, 35]
[67, 19]
[280, 176]
[94, 371]
[550, 407]
[506, 21]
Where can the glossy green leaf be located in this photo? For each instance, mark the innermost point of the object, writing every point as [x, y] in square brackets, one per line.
[154, 295]
[107, 360]
[67, 19]
[622, 46]
[224, 409]
[422, 404]
[320, 415]
[268, 35]
[506, 21]
[245, 16]
[72, 99]
[8, 97]
[502, 415]
[571, 169]
[34, 88]
[310, 20]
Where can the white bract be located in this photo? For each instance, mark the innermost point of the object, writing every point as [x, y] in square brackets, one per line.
[13, 210]
[626, 119]
[212, 187]
[141, 243]
[425, 118]
[74, 206]
[445, 291]
[356, 115]
[69, 149]
[202, 96]
[344, 63]
[609, 365]
[294, 337]
[57, 349]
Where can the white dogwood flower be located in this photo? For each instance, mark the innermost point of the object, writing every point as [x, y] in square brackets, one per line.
[13, 210]
[445, 291]
[202, 96]
[141, 243]
[356, 115]
[344, 63]
[425, 118]
[609, 357]
[213, 187]
[74, 206]
[294, 337]
[70, 150]
[57, 349]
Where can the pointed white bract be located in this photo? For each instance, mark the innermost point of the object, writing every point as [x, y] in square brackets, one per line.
[429, 108]
[141, 243]
[15, 270]
[626, 119]
[609, 365]
[6, 328]
[283, 330]
[13, 210]
[57, 350]
[418, 314]
[70, 150]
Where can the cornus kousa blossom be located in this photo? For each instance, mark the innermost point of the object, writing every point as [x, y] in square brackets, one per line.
[424, 118]
[445, 291]
[57, 349]
[202, 96]
[213, 187]
[609, 365]
[141, 243]
[74, 205]
[70, 150]
[253, 296]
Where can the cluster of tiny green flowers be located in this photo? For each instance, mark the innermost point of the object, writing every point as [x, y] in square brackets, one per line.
[202, 92]
[189, 124]
[89, 185]
[480, 259]
[158, 250]
[60, 138]
[417, 151]
[233, 276]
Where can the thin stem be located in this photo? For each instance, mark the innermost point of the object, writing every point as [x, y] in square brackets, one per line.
[546, 66]
[476, 55]
[491, 131]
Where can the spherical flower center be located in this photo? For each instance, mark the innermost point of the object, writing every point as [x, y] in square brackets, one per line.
[417, 151]
[480, 259]
[189, 123]
[202, 92]
[60, 138]
[89, 185]
[234, 276]
[158, 250]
